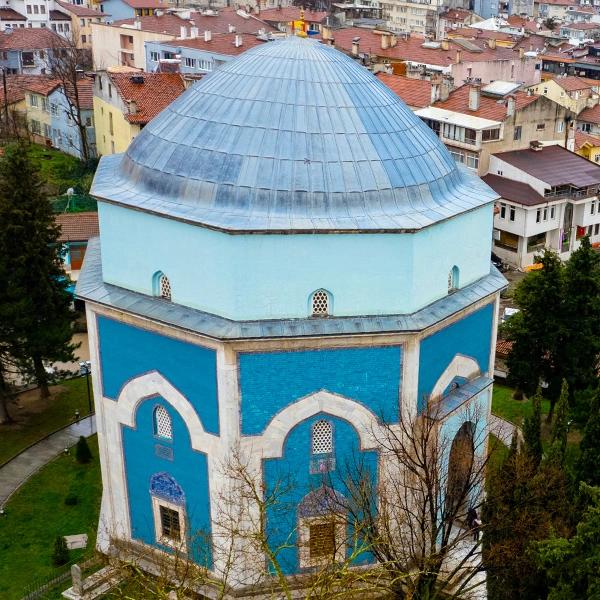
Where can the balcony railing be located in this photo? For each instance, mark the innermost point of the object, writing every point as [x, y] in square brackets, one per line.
[576, 194]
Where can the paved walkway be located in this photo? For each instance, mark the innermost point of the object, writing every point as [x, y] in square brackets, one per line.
[17, 471]
[503, 429]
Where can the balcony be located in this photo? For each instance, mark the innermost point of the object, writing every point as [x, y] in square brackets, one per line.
[572, 192]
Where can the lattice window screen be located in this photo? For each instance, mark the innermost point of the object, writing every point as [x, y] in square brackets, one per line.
[320, 304]
[165, 287]
[164, 427]
[322, 437]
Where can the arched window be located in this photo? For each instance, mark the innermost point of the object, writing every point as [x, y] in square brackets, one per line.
[163, 427]
[164, 287]
[453, 279]
[320, 303]
[322, 437]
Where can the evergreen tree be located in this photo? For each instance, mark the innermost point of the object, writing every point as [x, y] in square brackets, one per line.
[83, 454]
[535, 331]
[580, 346]
[34, 302]
[588, 465]
[561, 423]
[532, 430]
[60, 556]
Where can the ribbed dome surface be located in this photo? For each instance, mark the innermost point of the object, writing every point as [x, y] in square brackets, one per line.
[293, 135]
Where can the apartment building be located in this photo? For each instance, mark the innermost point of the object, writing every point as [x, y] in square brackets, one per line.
[27, 51]
[574, 93]
[549, 199]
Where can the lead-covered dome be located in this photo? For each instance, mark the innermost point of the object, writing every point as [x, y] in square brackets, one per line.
[291, 136]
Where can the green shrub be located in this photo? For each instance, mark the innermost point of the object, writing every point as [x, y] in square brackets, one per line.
[60, 556]
[71, 500]
[83, 454]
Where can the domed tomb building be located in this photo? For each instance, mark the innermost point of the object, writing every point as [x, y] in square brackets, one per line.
[288, 260]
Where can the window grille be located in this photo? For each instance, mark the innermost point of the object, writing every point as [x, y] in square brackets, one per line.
[165, 287]
[320, 304]
[170, 524]
[322, 437]
[163, 424]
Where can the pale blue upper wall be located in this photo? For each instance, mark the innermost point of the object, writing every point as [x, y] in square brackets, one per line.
[272, 276]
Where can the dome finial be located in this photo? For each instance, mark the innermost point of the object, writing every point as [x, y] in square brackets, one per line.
[300, 26]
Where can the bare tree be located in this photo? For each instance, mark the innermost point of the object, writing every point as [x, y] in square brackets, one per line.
[67, 64]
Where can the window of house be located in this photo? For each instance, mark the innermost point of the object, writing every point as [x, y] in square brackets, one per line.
[593, 207]
[489, 135]
[154, 56]
[36, 9]
[552, 211]
[190, 62]
[596, 228]
[164, 287]
[453, 279]
[205, 65]
[538, 215]
[60, 27]
[536, 242]
[112, 147]
[36, 127]
[44, 104]
[83, 39]
[540, 127]
[560, 126]
[29, 9]
[109, 90]
[82, 22]
[322, 437]
[163, 426]
[110, 123]
[503, 211]
[508, 241]
[27, 59]
[33, 100]
[320, 303]
[42, 9]
[586, 127]
[545, 214]
[47, 130]
[512, 213]
[170, 523]
[517, 133]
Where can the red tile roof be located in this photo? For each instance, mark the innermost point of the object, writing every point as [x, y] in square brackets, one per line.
[590, 115]
[414, 92]
[489, 108]
[411, 49]
[221, 43]
[144, 4]
[78, 227]
[515, 191]
[17, 85]
[290, 13]
[581, 139]
[25, 38]
[80, 11]
[572, 83]
[85, 93]
[9, 14]
[456, 14]
[153, 95]
[46, 85]
[554, 165]
[559, 2]
[503, 347]
[57, 15]
[581, 26]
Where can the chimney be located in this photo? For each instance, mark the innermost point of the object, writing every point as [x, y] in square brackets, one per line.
[137, 23]
[535, 146]
[355, 46]
[231, 28]
[207, 36]
[182, 32]
[445, 45]
[385, 41]
[474, 96]
[458, 57]
[133, 107]
[325, 32]
[238, 41]
[445, 89]
[193, 32]
[521, 53]
[492, 44]
[510, 105]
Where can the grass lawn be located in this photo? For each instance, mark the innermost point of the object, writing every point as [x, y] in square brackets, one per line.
[35, 419]
[512, 410]
[37, 514]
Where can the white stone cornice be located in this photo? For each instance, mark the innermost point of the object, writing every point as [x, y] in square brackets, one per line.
[460, 366]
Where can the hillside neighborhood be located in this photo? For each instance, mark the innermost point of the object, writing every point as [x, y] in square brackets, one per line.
[300, 299]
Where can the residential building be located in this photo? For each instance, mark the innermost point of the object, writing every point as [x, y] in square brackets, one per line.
[417, 57]
[125, 102]
[283, 19]
[9, 17]
[574, 93]
[549, 199]
[207, 359]
[552, 9]
[582, 60]
[123, 42]
[198, 55]
[27, 51]
[82, 18]
[587, 145]
[129, 9]
[588, 120]
[76, 229]
[580, 31]
[51, 114]
[456, 18]
[476, 122]
[414, 16]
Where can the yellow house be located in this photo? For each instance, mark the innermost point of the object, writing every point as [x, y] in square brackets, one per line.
[82, 18]
[574, 93]
[38, 109]
[125, 100]
[588, 146]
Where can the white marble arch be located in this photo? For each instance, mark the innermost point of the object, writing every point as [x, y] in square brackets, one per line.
[150, 384]
[460, 366]
[270, 443]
